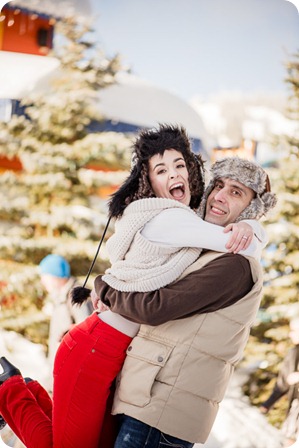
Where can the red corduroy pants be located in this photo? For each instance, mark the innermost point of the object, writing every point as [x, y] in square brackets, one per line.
[87, 362]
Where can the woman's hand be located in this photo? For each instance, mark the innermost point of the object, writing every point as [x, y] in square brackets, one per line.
[96, 302]
[241, 236]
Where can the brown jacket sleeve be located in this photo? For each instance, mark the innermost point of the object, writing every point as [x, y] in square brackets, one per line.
[217, 285]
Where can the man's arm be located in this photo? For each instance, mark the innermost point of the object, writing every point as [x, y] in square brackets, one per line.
[217, 285]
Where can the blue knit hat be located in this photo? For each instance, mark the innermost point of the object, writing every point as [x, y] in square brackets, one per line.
[55, 265]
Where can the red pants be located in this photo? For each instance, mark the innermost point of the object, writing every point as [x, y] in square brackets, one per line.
[87, 362]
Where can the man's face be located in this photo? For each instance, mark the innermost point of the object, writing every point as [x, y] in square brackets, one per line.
[226, 201]
[52, 283]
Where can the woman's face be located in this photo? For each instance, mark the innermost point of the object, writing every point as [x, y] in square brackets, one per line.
[168, 176]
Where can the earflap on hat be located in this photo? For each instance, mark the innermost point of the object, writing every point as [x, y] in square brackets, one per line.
[125, 194]
[258, 207]
[203, 203]
[196, 171]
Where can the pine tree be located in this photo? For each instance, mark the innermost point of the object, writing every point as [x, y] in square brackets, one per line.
[269, 339]
[56, 203]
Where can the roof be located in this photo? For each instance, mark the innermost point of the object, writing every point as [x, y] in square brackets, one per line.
[21, 72]
[56, 8]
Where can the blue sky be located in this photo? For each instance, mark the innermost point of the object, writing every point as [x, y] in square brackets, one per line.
[201, 47]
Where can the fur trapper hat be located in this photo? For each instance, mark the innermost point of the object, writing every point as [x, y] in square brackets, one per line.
[149, 143]
[249, 174]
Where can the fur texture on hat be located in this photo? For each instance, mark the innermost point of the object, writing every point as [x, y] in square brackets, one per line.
[149, 143]
[249, 174]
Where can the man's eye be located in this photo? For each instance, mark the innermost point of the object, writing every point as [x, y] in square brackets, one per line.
[236, 193]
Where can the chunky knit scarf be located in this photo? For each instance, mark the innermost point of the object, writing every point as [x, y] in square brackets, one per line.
[138, 264]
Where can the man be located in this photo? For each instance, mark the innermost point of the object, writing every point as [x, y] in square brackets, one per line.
[176, 373]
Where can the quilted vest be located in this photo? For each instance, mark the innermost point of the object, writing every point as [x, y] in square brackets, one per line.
[176, 374]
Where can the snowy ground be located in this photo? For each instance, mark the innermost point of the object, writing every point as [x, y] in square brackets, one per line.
[238, 424]
[28, 357]
[31, 360]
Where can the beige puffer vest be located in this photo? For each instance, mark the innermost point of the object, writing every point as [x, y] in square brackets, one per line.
[176, 374]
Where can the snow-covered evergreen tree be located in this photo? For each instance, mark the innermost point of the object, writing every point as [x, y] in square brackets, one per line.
[56, 203]
[270, 342]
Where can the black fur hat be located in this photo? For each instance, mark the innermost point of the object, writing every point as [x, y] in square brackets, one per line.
[149, 143]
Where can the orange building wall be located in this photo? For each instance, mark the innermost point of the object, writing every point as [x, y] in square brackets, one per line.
[13, 164]
[19, 31]
[1, 30]
[25, 32]
[246, 150]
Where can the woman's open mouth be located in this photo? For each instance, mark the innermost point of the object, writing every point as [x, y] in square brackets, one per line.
[177, 191]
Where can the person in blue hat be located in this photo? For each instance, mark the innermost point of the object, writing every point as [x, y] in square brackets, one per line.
[56, 278]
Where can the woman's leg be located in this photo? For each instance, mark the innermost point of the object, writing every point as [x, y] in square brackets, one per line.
[86, 364]
[42, 397]
[109, 426]
[23, 414]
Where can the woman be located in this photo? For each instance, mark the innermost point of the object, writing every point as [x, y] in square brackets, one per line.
[92, 353]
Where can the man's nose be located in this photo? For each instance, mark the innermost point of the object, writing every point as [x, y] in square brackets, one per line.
[220, 195]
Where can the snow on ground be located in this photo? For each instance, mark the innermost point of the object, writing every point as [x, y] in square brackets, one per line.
[30, 358]
[240, 425]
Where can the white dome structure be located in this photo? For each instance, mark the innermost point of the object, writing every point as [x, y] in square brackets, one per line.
[133, 103]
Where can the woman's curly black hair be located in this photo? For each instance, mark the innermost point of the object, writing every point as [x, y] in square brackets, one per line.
[149, 143]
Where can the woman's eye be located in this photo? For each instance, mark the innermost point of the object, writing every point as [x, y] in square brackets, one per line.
[161, 171]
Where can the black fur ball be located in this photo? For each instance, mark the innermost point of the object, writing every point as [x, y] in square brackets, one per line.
[79, 295]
